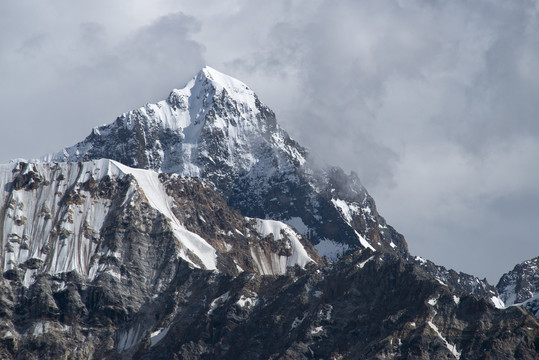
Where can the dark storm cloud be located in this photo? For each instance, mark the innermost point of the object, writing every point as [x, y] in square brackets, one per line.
[433, 103]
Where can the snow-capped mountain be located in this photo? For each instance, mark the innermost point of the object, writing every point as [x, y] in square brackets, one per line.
[185, 229]
[521, 286]
[216, 129]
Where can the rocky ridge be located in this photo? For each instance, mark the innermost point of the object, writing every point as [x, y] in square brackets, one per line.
[174, 249]
[216, 129]
[520, 286]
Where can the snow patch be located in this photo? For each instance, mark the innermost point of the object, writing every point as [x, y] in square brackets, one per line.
[297, 322]
[158, 335]
[129, 338]
[42, 327]
[248, 301]
[344, 208]
[364, 242]
[433, 301]
[280, 263]
[451, 347]
[218, 302]
[441, 282]
[331, 249]
[362, 264]
[498, 303]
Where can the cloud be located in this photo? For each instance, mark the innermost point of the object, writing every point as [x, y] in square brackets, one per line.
[475, 214]
[433, 103]
[66, 76]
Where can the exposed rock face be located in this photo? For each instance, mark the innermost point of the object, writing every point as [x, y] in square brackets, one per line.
[101, 242]
[464, 282]
[175, 250]
[521, 286]
[366, 306]
[217, 129]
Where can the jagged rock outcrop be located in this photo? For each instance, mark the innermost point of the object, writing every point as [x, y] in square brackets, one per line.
[366, 306]
[521, 286]
[193, 243]
[464, 282]
[216, 129]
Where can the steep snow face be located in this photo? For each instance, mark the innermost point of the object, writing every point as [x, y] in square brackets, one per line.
[273, 263]
[55, 218]
[52, 219]
[216, 129]
[41, 227]
[213, 120]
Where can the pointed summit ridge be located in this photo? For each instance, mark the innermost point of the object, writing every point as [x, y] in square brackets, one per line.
[210, 85]
[224, 81]
[216, 129]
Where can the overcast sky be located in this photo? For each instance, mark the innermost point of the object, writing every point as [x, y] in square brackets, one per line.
[433, 103]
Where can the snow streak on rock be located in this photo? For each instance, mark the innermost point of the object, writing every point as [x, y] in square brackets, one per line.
[53, 219]
[216, 129]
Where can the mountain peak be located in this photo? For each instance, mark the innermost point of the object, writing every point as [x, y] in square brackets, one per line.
[223, 81]
[216, 129]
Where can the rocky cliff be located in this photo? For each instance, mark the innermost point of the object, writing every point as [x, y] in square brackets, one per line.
[202, 238]
[520, 286]
[216, 129]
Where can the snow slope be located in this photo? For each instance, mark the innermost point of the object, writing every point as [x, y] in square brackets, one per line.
[279, 263]
[215, 128]
[53, 216]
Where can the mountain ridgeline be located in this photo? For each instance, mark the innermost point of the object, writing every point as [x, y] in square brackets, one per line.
[196, 228]
[216, 129]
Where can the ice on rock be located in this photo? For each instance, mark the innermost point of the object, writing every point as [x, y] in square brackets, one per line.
[216, 128]
[278, 264]
[70, 245]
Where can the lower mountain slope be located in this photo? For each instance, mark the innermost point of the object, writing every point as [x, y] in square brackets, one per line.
[366, 306]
